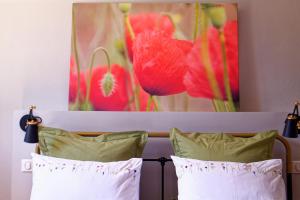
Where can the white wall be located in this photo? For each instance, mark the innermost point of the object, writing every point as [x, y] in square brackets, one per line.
[35, 47]
[34, 51]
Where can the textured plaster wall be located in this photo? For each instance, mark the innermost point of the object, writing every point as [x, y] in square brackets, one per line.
[35, 46]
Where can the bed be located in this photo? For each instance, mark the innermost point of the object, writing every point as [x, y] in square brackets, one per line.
[164, 169]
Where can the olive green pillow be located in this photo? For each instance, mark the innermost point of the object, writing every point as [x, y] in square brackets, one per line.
[105, 148]
[223, 147]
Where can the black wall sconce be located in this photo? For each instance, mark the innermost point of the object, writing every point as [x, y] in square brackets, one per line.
[292, 123]
[29, 123]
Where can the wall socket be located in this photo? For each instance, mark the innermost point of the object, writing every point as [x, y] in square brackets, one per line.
[295, 167]
[26, 165]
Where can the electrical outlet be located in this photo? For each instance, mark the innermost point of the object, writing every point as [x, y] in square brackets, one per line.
[26, 165]
[296, 167]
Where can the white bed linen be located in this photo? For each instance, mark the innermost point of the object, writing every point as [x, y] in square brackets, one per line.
[62, 179]
[215, 180]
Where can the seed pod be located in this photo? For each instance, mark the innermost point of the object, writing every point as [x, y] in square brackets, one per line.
[107, 84]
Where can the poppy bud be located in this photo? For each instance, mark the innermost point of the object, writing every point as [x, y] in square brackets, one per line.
[119, 45]
[124, 7]
[217, 15]
[107, 84]
[118, 100]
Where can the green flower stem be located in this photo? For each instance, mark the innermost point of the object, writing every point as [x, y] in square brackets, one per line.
[206, 57]
[207, 64]
[135, 88]
[231, 106]
[74, 43]
[152, 100]
[91, 64]
[197, 14]
[214, 105]
[149, 101]
[155, 103]
[219, 105]
[128, 25]
[186, 102]
[136, 97]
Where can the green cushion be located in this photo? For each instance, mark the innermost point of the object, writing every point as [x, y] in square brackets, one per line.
[223, 147]
[105, 148]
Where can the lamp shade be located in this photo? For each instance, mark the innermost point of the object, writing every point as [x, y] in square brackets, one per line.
[29, 123]
[31, 135]
[292, 123]
[290, 129]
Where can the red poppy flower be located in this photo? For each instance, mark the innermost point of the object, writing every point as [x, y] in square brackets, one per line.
[117, 100]
[73, 86]
[147, 22]
[159, 63]
[196, 81]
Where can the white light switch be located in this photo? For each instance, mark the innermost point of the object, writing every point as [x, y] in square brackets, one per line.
[26, 165]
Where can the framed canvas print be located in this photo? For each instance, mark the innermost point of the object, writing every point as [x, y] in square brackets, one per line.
[154, 57]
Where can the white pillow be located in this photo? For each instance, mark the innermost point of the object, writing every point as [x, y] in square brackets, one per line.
[216, 180]
[62, 179]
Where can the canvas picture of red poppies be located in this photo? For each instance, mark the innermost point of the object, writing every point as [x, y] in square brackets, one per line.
[154, 57]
